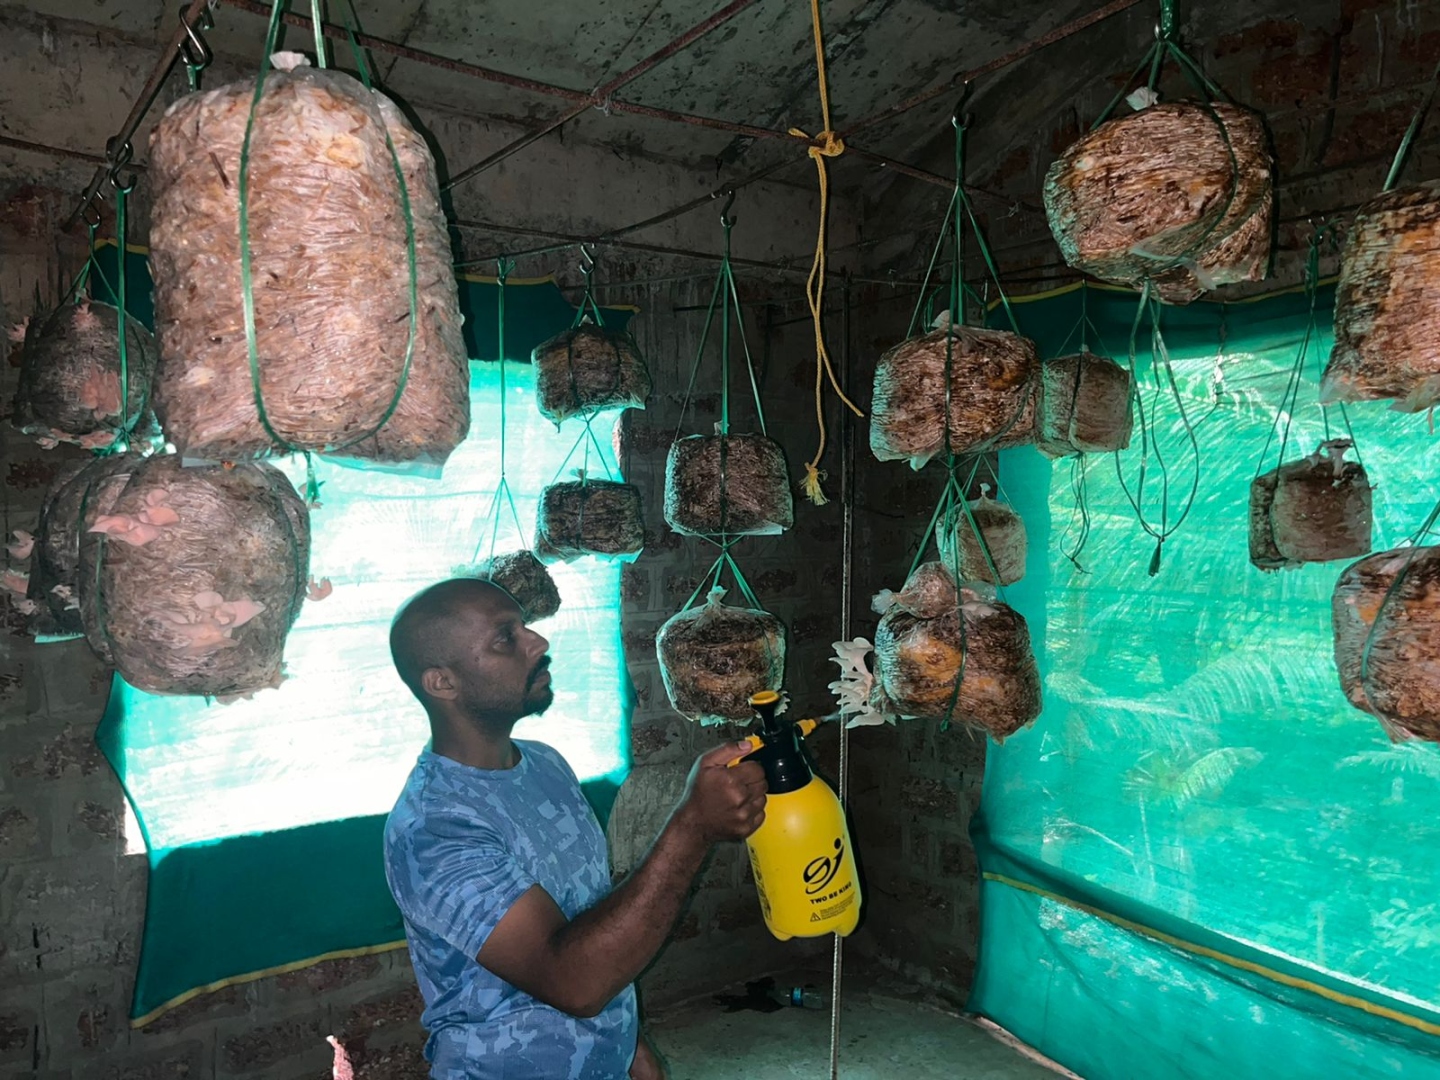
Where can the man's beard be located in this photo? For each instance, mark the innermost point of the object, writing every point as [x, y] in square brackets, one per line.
[538, 700]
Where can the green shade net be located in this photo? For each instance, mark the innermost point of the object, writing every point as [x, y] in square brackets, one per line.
[1201, 861]
[263, 818]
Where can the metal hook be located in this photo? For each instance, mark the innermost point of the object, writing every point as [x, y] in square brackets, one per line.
[118, 158]
[195, 51]
[587, 260]
[726, 220]
[91, 223]
[959, 118]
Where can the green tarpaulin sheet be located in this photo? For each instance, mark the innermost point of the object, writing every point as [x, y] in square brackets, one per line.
[262, 819]
[1201, 861]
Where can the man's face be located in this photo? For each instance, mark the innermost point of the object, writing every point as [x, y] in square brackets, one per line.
[503, 668]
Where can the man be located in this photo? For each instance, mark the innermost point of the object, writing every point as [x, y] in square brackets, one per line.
[524, 955]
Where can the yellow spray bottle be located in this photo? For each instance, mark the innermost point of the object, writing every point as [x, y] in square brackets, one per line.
[802, 858]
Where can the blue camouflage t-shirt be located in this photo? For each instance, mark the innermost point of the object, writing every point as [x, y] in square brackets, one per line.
[461, 846]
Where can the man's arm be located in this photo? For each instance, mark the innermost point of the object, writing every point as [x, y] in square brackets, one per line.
[579, 967]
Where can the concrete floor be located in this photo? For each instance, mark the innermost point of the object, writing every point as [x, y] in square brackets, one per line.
[886, 1033]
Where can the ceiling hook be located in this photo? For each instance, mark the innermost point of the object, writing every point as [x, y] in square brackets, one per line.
[960, 118]
[194, 50]
[725, 219]
[587, 259]
[118, 156]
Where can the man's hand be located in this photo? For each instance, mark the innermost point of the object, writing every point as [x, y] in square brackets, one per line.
[579, 966]
[647, 1063]
[720, 802]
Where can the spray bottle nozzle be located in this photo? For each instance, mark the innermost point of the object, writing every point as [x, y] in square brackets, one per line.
[765, 703]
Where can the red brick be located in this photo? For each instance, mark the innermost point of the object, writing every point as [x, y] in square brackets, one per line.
[188, 1061]
[273, 1043]
[679, 587]
[73, 750]
[634, 585]
[774, 581]
[100, 820]
[957, 859]
[929, 797]
[94, 1026]
[813, 627]
[688, 928]
[737, 914]
[330, 975]
[227, 1001]
[32, 474]
[17, 829]
[17, 1028]
[648, 739]
[398, 1009]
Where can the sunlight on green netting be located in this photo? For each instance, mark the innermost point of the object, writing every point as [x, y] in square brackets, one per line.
[1196, 755]
[337, 739]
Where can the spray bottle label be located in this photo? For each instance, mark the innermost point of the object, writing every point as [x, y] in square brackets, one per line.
[828, 899]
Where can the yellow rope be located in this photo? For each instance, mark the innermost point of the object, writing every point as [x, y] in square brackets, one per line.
[825, 145]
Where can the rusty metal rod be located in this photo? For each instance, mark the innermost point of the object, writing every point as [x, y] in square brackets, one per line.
[1074, 26]
[420, 56]
[601, 96]
[61, 152]
[571, 239]
[188, 18]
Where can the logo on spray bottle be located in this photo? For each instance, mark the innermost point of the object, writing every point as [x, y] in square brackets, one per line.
[819, 872]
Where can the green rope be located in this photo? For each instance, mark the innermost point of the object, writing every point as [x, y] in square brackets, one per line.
[503, 267]
[352, 20]
[121, 440]
[317, 25]
[83, 276]
[1149, 442]
[715, 574]
[587, 299]
[246, 268]
[1165, 46]
[1394, 590]
[1416, 122]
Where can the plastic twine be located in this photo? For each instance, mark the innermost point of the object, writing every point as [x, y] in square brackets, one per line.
[1289, 400]
[1167, 47]
[122, 192]
[1408, 139]
[503, 267]
[1149, 443]
[952, 229]
[247, 289]
[318, 25]
[824, 145]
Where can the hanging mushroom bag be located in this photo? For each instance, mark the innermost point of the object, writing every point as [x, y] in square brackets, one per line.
[191, 577]
[1387, 304]
[1179, 194]
[1177, 197]
[303, 286]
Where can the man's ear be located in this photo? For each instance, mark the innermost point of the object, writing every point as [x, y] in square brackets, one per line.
[440, 683]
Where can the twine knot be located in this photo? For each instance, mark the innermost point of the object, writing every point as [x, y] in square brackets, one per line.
[825, 144]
